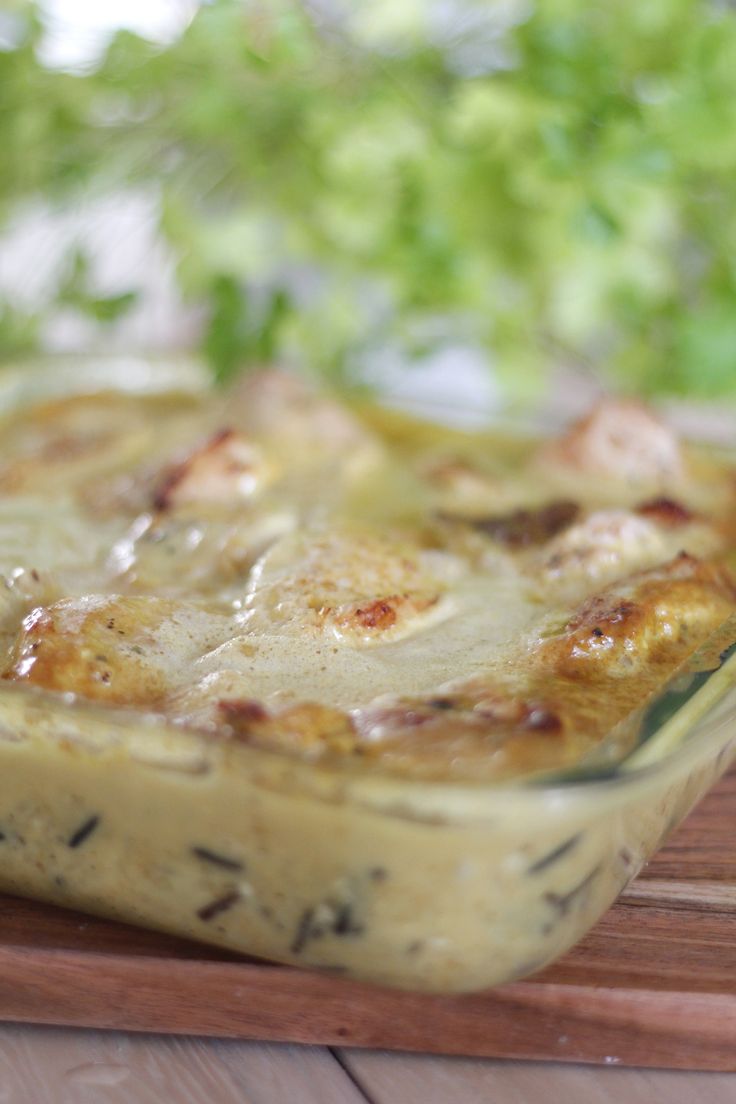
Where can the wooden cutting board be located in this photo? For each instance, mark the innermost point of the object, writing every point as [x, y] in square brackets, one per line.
[653, 985]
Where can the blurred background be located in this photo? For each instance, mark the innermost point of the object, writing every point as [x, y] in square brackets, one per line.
[453, 194]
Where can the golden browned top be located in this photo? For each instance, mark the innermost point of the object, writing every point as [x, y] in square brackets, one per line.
[272, 567]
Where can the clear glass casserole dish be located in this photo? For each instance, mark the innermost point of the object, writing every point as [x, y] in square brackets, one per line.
[446, 887]
[424, 886]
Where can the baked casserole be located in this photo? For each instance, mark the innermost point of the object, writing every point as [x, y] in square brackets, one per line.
[325, 684]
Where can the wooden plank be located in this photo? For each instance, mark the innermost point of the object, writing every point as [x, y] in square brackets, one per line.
[654, 984]
[63, 1066]
[525, 1020]
[426, 1079]
[702, 849]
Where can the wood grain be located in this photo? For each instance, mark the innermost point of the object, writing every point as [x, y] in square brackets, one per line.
[69, 1066]
[427, 1079]
[653, 985]
[63, 1066]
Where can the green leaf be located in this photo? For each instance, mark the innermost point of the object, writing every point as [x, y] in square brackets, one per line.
[112, 307]
[226, 340]
[705, 352]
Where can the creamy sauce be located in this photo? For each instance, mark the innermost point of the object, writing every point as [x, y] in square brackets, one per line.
[479, 621]
[272, 550]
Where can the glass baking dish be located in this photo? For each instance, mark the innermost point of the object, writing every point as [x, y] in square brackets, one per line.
[445, 887]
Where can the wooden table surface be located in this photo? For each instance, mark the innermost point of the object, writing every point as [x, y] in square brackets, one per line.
[49, 1065]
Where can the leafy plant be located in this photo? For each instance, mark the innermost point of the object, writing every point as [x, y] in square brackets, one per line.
[555, 182]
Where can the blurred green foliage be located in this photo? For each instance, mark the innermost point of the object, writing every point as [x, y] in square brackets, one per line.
[333, 184]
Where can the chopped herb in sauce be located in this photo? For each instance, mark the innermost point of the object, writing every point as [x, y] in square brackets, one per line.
[216, 859]
[552, 856]
[84, 831]
[220, 904]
